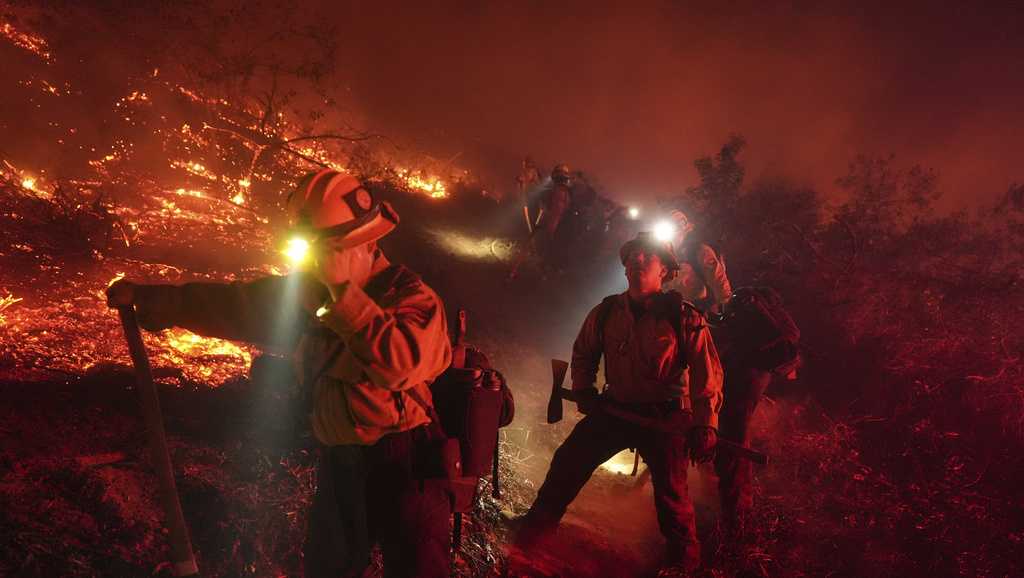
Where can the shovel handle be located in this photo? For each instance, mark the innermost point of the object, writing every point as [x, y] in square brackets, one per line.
[182, 558]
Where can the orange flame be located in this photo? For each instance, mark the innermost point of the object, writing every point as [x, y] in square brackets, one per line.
[5, 303]
[185, 346]
[30, 42]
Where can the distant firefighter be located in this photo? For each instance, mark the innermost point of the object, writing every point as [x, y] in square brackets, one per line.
[526, 181]
[651, 367]
[555, 202]
[702, 278]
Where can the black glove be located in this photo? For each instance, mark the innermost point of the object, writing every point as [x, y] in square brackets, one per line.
[701, 441]
[313, 295]
[121, 293]
[152, 314]
[588, 401]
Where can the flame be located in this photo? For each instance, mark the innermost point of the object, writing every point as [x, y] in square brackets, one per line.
[195, 168]
[5, 303]
[30, 42]
[432, 186]
[189, 344]
[216, 167]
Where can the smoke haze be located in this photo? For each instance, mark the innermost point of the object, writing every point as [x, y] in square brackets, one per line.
[633, 92]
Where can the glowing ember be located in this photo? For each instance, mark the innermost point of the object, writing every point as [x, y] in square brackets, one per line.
[197, 169]
[24, 40]
[190, 345]
[6, 302]
[29, 183]
[238, 199]
[76, 332]
[431, 185]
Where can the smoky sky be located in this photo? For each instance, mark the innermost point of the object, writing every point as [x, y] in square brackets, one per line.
[633, 92]
[630, 92]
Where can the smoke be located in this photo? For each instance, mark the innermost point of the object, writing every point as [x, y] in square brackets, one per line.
[631, 93]
[634, 92]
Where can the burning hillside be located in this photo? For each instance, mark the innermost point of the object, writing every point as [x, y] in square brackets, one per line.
[162, 151]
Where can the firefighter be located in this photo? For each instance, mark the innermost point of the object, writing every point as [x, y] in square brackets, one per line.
[554, 205]
[369, 336]
[527, 179]
[702, 279]
[759, 340]
[657, 351]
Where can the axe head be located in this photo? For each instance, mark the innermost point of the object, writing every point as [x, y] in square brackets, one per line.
[558, 369]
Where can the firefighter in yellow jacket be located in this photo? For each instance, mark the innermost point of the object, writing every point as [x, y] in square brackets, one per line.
[702, 279]
[368, 337]
[657, 352]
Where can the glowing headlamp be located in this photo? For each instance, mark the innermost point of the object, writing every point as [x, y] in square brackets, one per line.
[634, 212]
[664, 231]
[297, 250]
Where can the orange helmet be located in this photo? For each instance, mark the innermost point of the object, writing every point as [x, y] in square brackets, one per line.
[561, 174]
[329, 203]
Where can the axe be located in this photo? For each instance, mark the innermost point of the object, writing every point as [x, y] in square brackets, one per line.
[672, 426]
[184, 562]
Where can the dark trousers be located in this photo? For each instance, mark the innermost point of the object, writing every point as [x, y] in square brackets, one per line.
[595, 439]
[743, 389]
[368, 494]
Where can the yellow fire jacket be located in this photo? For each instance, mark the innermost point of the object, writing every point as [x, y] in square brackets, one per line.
[709, 283]
[644, 360]
[380, 342]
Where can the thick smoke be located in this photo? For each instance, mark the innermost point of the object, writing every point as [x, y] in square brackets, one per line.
[631, 93]
[634, 92]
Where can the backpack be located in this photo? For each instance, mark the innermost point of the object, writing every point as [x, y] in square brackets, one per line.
[471, 410]
[763, 331]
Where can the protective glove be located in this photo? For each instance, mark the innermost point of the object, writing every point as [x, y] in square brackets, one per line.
[152, 314]
[121, 293]
[589, 401]
[312, 295]
[701, 441]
